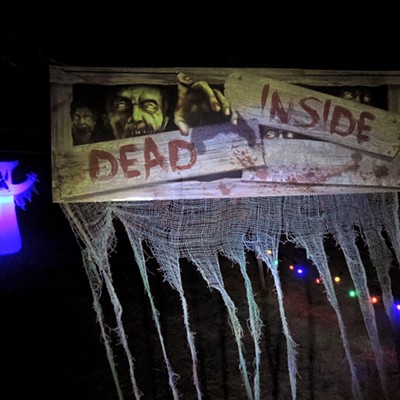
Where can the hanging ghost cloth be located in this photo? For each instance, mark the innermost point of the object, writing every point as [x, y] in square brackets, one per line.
[200, 230]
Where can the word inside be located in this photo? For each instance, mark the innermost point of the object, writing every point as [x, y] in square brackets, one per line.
[336, 118]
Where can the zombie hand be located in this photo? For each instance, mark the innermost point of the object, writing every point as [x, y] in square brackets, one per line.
[195, 99]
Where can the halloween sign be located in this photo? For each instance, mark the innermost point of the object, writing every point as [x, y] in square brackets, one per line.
[164, 134]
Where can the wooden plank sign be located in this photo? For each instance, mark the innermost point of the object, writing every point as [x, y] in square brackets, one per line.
[323, 163]
[225, 188]
[114, 133]
[293, 108]
[167, 156]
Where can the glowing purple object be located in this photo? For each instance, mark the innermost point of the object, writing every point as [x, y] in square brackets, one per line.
[10, 196]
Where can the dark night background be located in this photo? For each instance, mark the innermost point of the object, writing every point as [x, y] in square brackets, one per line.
[50, 343]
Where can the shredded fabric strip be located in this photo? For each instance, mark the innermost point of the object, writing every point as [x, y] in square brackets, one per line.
[201, 230]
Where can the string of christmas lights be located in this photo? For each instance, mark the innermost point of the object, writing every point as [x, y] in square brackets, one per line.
[303, 272]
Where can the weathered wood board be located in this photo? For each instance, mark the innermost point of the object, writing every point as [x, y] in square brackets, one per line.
[224, 188]
[293, 108]
[168, 156]
[323, 163]
[68, 75]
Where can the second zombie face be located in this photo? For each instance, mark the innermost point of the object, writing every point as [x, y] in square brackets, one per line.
[83, 123]
[136, 111]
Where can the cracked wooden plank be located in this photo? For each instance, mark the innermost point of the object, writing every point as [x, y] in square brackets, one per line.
[299, 161]
[293, 108]
[222, 188]
[144, 160]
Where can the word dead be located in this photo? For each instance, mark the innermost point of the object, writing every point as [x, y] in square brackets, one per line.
[315, 113]
[104, 166]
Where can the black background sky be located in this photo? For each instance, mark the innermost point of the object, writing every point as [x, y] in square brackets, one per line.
[45, 304]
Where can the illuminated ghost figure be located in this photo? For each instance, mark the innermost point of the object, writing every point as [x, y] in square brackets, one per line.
[10, 196]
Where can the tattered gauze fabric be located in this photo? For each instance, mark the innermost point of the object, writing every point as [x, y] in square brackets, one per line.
[201, 230]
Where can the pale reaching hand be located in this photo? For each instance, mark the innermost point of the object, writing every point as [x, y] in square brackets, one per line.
[195, 99]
